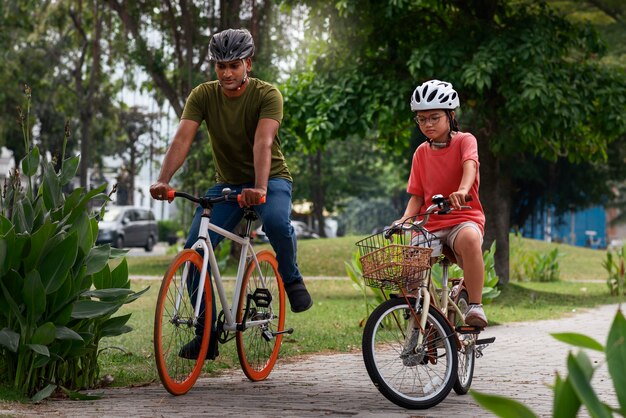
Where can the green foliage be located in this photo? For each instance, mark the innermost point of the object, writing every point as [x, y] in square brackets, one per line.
[169, 230]
[58, 293]
[527, 264]
[614, 266]
[490, 289]
[575, 390]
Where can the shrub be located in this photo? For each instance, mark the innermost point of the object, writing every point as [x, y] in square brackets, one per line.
[169, 231]
[575, 390]
[58, 293]
[614, 265]
[534, 265]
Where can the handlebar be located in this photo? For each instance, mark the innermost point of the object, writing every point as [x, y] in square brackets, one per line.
[227, 196]
[440, 206]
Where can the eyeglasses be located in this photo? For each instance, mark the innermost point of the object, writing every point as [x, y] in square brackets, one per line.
[433, 120]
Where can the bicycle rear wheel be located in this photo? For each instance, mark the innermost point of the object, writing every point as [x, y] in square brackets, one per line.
[174, 327]
[262, 299]
[409, 375]
[467, 348]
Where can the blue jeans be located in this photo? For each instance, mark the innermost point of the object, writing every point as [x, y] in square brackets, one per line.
[275, 214]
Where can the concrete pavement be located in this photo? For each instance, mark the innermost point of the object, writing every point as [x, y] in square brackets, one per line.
[521, 364]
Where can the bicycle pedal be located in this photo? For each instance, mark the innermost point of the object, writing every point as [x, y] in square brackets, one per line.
[484, 341]
[468, 329]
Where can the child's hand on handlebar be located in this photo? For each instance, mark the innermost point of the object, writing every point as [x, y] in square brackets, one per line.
[457, 199]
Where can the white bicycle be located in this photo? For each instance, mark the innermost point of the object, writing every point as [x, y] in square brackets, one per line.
[256, 315]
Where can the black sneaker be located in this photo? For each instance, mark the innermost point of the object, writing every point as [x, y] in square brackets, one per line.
[299, 298]
[192, 348]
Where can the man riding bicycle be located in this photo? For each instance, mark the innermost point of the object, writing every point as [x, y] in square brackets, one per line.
[242, 115]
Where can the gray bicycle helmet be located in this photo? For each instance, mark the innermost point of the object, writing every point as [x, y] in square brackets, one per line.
[231, 45]
[434, 94]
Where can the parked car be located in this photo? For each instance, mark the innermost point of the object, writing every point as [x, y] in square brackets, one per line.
[301, 229]
[128, 226]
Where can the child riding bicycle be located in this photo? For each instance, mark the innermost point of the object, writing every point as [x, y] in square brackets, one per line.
[447, 163]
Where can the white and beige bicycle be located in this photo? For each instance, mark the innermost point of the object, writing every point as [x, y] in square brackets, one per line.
[256, 316]
[416, 345]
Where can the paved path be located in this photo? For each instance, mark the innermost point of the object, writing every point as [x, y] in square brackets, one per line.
[338, 385]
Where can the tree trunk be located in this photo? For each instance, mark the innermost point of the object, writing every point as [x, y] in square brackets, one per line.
[317, 191]
[495, 196]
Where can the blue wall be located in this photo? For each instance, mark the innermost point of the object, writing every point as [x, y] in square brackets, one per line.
[592, 219]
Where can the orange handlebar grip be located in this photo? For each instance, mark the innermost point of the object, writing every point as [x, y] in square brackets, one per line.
[261, 202]
[171, 195]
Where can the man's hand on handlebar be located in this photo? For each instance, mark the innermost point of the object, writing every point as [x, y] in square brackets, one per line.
[250, 197]
[159, 190]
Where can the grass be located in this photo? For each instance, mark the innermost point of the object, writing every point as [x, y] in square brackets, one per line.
[333, 323]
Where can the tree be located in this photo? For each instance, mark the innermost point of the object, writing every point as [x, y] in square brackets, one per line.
[530, 83]
[57, 48]
[169, 42]
[135, 145]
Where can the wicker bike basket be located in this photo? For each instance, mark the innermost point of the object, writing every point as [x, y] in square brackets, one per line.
[392, 263]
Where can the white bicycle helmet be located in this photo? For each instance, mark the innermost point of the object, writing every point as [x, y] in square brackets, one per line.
[434, 94]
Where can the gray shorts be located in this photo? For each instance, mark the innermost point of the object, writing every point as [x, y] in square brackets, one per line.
[445, 236]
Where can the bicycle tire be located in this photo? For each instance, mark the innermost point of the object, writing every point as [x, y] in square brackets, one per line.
[173, 330]
[411, 377]
[258, 346]
[466, 349]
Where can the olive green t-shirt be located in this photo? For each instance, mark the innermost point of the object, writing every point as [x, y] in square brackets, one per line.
[232, 123]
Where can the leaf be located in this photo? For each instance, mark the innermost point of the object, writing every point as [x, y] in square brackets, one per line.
[119, 275]
[57, 263]
[111, 293]
[115, 326]
[580, 373]
[44, 393]
[30, 163]
[97, 259]
[10, 339]
[68, 170]
[39, 349]
[44, 335]
[34, 296]
[65, 333]
[616, 357]
[501, 406]
[86, 309]
[82, 227]
[38, 242]
[578, 340]
[50, 187]
[566, 402]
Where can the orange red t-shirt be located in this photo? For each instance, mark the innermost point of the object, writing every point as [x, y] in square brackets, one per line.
[439, 171]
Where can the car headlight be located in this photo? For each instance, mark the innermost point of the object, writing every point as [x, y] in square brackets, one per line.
[105, 233]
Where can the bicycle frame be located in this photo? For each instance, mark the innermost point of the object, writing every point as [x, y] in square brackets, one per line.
[428, 293]
[209, 257]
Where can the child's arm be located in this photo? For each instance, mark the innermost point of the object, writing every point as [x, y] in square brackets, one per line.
[412, 208]
[457, 199]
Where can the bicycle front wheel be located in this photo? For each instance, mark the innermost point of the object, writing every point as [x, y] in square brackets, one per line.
[411, 375]
[174, 323]
[261, 312]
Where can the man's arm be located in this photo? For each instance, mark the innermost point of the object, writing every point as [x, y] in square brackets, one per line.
[174, 157]
[263, 139]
